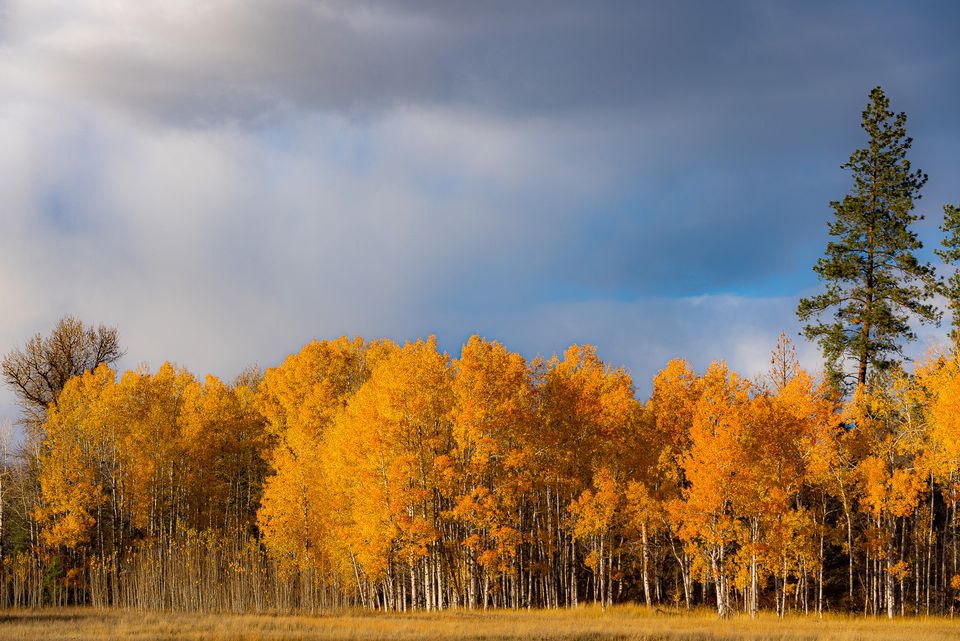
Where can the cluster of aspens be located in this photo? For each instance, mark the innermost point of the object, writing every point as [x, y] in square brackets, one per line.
[396, 477]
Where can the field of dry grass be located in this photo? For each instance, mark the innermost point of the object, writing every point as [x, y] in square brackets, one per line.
[79, 624]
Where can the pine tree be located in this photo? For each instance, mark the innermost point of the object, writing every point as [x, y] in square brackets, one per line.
[950, 254]
[875, 285]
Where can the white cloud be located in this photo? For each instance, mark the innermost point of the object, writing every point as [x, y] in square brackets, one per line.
[220, 246]
[223, 246]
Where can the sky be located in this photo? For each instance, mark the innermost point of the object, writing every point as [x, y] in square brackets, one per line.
[226, 181]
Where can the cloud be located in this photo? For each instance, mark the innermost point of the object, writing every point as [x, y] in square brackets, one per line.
[225, 181]
[325, 227]
[219, 247]
[203, 62]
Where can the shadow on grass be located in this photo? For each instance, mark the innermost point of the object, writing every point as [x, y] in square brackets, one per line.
[41, 617]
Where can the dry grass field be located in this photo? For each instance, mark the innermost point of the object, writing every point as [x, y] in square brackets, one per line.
[79, 624]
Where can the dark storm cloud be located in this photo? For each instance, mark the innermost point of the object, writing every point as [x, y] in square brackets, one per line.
[712, 62]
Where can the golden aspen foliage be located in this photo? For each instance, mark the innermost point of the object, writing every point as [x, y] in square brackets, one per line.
[938, 392]
[156, 454]
[392, 477]
[891, 482]
[589, 413]
[595, 512]
[676, 390]
[224, 448]
[392, 441]
[890, 472]
[493, 436]
[150, 406]
[78, 440]
[300, 400]
[706, 513]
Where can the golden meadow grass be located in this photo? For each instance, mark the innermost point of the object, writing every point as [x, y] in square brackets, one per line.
[624, 622]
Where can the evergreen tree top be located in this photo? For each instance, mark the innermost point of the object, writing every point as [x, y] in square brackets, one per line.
[875, 286]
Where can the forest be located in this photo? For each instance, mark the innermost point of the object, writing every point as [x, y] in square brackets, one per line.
[396, 477]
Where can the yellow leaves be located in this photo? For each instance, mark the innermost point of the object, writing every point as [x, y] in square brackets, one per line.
[147, 451]
[938, 392]
[595, 510]
[889, 490]
[874, 479]
[492, 410]
[382, 455]
[719, 419]
[488, 559]
[78, 435]
[640, 504]
[592, 560]
[906, 487]
[301, 400]
[222, 439]
[313, 384]
[600, 396]
[670, 415]
[390, 448]
[887, 444]
[747, 452]
[71, 495]
[900, 570]
[589, 417]
[493, 423]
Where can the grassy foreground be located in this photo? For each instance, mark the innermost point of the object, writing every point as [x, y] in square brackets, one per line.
[82, 624]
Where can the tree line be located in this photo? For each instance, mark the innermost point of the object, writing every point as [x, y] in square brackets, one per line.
[399, 477]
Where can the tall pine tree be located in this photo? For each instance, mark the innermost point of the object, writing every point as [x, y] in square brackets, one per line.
[950, 254]
[874, 284]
